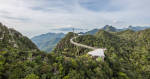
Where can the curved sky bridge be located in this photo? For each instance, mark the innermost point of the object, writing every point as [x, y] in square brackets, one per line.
[97, 52]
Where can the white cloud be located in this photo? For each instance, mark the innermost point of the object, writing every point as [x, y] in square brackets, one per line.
[33, 17]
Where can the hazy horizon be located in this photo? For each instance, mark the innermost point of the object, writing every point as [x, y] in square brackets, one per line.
[34, 17]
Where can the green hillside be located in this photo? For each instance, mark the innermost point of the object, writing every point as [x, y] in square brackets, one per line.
[127, 57]
[47, 42]
[64, 47]
[10, 38]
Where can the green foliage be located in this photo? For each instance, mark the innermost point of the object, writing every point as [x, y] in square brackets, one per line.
[64, 47]
[31, 76]
[127, 57]
[11, 38]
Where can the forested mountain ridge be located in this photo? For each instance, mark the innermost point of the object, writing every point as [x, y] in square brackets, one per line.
[46, 42]
[110, 28]
[20, 64]
[64, 47]
[92, 32]
[127, 57]
[138, 28]
[12, 38]
[107, 28]
[127, 52]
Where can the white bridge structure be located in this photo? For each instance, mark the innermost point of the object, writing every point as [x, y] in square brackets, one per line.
[97, 52]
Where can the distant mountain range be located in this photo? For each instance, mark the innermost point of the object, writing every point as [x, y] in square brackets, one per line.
[127, 55]
[47, 42]
[109, 28]
[137, 28]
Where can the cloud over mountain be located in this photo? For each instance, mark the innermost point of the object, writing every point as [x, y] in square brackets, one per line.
[33, 17]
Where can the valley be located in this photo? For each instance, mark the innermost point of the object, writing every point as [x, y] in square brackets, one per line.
[126, 57]
[47, 42]
[74, 39]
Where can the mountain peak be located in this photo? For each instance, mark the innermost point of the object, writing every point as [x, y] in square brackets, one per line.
[12, 38]
[109, 28]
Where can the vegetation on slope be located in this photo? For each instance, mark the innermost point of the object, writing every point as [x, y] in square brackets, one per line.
[64, 47]
[47, 42]
[125, 58]
[127, 53]
[13, 39]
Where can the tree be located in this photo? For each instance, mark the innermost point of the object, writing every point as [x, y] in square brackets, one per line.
[31, 76]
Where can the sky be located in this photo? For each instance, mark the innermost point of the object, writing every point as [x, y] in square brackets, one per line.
[34, 17]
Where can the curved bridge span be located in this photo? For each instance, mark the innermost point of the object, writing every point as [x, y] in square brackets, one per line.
[99, 52]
